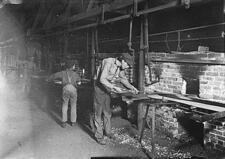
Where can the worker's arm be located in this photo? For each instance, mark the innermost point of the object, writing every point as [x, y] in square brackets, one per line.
[78, 78]
[104, 78]
[104, 75]
[57, 75]
[125, 82]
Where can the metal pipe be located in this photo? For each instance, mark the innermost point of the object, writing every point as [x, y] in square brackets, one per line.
[96, 41]
[141, 61]
[129, 44]
[103, 14]
[87, 44]
[140, 114]
[203, 62]
[146, 11]
[135, 8]
[92, 53]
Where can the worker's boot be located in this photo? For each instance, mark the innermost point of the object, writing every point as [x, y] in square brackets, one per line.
[73, 124]
[101, 141]
[63, 124]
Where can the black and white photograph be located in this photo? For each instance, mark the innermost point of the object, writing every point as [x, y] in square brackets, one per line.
[112, 79]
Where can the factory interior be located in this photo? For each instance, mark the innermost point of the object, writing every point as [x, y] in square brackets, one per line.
[115, 79]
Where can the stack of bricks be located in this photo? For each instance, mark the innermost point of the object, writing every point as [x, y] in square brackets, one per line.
[216, 135]
[167, 122]
[210, 85]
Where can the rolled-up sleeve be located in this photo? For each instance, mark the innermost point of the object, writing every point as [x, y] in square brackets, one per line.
[124, 80]
[104, 74]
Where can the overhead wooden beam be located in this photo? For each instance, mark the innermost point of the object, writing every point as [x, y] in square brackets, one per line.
[38, 15]
[97, 11]
[48, 18]
[94, 12]
[209, 117]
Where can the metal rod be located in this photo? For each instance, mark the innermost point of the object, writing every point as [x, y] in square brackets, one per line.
[155, 9]
[141, 61]
[135, 7]
[87, 44]
[187, 29]
[204, 62]
[129, 44]
[92, 53]
[96, 41]
[117, 18]
[174, 31]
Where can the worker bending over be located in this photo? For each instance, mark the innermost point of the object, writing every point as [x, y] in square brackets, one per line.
[110, 72]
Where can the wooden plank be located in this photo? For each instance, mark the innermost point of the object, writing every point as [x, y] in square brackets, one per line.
[190, 103]
[213, 116]
[161, 7]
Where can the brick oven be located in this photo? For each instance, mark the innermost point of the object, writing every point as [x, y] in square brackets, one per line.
[202, 74]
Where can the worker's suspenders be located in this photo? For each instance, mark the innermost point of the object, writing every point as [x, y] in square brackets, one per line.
[69, 78]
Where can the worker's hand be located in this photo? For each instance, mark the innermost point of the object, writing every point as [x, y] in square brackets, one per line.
[116, 89]
[134, 90]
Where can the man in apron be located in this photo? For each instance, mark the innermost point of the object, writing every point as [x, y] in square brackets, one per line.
[110, 71]
[70, 80]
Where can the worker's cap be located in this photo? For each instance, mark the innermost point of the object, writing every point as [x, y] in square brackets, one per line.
[128, 58]
[69, 64]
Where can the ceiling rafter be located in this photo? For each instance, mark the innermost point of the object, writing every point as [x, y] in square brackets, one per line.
[38, 15]
[48, 18]
[115, 5]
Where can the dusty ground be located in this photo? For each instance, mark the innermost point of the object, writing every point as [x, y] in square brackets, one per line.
[30, 130]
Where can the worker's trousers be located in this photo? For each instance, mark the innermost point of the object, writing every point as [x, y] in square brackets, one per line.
[69, 94]
[102, 107]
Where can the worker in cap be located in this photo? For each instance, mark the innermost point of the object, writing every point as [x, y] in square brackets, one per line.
[110, 72]
[70, 80]
[128, 58]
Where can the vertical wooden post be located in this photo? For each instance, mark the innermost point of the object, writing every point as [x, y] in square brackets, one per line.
[141, 78]
[96, 41]
[87, 45]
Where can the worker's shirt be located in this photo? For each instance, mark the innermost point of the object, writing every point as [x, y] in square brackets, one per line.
[109, 71]
[67, 77]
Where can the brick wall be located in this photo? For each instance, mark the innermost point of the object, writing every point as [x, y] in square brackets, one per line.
[205, 79]
[204, 74]
[215, 135]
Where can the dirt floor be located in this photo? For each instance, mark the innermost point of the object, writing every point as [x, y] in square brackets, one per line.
[30, 129]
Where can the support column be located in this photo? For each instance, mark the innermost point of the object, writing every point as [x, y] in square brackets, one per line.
[93, 53]
[141, 78]
[96, 41]
[141, 72]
